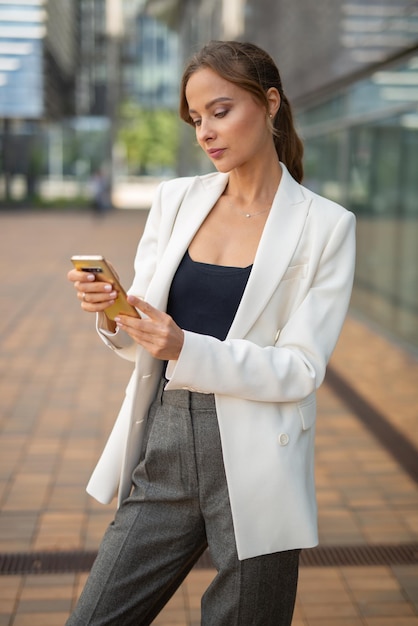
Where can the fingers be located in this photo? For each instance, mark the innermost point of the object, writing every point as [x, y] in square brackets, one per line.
[146, 308]
[94, 295]
[78, 276]
[95, 301]
[155, 331]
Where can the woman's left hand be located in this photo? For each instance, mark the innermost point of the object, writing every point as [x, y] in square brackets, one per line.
[156, 331]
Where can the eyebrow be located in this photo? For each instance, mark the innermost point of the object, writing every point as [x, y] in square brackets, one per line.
[212, 102]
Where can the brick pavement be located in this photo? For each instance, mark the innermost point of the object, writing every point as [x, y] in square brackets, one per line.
[60, 389]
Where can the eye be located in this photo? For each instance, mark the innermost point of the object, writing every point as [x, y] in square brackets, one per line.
[196, 122]
[221, 114]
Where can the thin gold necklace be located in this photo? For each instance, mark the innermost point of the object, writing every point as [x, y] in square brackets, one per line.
[245, 213]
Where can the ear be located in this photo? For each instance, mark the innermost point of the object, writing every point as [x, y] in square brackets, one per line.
[274, 100]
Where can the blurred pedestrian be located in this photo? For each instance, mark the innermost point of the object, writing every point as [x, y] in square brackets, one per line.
[243, 279]
[100, 193]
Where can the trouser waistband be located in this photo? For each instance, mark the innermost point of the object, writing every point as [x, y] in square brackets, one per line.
[184, 398]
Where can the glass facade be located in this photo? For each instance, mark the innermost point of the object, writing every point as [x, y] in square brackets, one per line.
[362, 151]
[22, 29]
[151, 63]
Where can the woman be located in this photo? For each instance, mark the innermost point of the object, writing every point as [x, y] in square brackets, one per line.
[243, 279]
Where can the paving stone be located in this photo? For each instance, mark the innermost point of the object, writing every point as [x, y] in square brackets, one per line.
[60, 390]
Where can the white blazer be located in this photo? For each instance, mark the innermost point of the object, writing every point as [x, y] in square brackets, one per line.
[266, 372]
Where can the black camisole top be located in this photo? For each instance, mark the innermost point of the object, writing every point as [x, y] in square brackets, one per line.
[204, 297]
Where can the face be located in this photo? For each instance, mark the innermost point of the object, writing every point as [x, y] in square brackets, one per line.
[231, 126]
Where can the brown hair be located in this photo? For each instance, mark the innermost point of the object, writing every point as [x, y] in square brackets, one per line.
[252, 69]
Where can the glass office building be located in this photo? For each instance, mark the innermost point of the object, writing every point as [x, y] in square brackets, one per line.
[362, 151]
[37, 66]
[37, 58]
[22, 30]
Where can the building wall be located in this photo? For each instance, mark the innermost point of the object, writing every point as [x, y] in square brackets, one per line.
[61, 37]
[319, 43]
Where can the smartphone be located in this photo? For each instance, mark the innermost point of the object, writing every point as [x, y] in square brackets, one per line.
[97, 265]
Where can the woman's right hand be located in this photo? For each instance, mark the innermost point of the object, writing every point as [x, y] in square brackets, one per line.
[95, 296]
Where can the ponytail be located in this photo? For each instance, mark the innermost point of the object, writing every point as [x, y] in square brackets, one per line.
[288, 144]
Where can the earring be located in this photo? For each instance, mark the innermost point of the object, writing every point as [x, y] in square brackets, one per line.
[271, 115]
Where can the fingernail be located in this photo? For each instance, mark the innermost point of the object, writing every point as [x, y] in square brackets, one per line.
[117, 320]
[91, 277]
[108, 287]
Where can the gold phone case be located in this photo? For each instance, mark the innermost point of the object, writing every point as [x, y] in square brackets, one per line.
[97, 265]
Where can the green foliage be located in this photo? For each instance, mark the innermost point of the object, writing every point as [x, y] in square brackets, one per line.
[149, 138]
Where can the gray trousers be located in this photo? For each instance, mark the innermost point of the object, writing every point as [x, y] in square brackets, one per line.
[178, 506]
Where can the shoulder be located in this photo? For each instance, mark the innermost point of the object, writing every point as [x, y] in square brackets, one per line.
[320, 208]
[171, 193]
[324, 208]
[329, 221]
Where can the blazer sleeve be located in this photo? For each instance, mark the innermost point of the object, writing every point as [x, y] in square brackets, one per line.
[295, 366]
[158, 228]
[145, 262]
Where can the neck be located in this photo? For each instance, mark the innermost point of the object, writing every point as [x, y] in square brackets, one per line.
[255, 187]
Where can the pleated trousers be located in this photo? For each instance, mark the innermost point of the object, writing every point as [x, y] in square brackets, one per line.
[179, 505]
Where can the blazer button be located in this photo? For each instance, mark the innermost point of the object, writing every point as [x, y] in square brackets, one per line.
[283, 439]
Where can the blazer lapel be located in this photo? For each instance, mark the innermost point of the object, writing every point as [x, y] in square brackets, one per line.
[277, 244]
[196, 205]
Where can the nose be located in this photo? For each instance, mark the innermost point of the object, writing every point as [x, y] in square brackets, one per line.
[205, 131]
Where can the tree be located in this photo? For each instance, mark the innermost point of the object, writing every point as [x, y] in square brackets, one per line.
[149, 138]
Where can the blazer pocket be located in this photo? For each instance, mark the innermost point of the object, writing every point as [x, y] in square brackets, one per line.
[295, 271]
[307, 411]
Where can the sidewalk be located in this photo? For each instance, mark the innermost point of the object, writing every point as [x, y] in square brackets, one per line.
[60, 390]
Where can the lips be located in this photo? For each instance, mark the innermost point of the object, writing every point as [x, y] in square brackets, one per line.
[216, 153]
